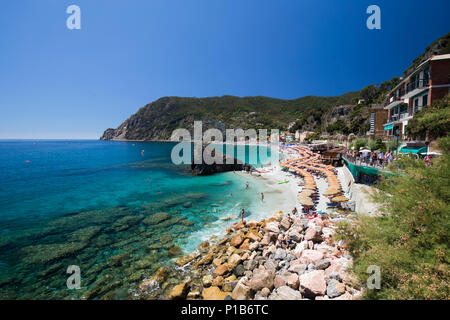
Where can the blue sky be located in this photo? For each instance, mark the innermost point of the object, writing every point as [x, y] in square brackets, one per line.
[60, 83]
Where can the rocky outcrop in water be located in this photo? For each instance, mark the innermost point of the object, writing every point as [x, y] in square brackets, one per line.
[228, 164]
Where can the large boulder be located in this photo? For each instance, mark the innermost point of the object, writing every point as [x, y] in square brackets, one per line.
[187, 258]
[221, 270]
[253, 246]
[207, 280]
[287, 279]
[155, 281]
[180, 291]
[345, 296]
[241, 291]
[294, 235]
[237, 240]
[299, 248]
[271, 265]
[280, 254]
[272, 227]
[213, 293]
[312, 234]
[311, 256]
[323, 264]
[204, 246]
[206, 259]
[233, 261]
[335, 288]
[250, 264]
[261, 279]
[266, 239]
[285, 224]
[253, 235]
[285, 293]
[313, 284]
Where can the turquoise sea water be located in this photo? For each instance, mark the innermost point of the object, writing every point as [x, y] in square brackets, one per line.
[92, 204]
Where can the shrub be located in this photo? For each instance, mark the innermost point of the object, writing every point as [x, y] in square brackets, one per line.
[409, 241]
[359, 143]
[431, 122]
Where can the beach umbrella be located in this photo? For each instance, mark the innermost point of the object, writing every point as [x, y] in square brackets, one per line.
[340, 199]
[307, 202]
[307, 192]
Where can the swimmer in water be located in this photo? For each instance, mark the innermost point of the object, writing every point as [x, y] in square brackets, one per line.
[246, 185]
[262, 196]
[231, 194]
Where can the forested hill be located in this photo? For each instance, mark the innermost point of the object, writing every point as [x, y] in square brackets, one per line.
[157, 120]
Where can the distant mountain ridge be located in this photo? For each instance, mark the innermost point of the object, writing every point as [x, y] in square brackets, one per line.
[157, 120]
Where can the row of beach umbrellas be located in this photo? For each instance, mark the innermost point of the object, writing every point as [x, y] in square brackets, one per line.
[310, 161]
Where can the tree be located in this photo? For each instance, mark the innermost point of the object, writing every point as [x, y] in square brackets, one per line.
[431, 122]
[372, 145]
[393, 144]
[369, 93]
[359, 143]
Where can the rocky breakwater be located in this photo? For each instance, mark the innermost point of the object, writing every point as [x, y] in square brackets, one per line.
[253, 262]
[226, 164]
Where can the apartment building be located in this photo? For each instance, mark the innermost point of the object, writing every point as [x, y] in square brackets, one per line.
[378, 117]
[430, 81]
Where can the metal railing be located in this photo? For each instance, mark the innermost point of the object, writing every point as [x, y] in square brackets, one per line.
[416, 84]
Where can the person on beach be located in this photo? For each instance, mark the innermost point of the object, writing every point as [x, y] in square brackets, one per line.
[380, 158]
[427, 160]
[390, 157]
[294, 211]
[289, 218]
[242, 215]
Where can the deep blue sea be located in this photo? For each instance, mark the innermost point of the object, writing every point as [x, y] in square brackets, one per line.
[107, 206]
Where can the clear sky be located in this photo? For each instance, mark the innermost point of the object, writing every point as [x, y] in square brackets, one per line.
[61, 83]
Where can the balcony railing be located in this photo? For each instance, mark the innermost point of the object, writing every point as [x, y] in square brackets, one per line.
[398, 116]
[417, 84]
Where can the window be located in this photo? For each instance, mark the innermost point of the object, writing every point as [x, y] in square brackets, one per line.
[416, 104]
[425, 100]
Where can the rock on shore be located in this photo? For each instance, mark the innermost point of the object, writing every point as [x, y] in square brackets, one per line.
[252, 263]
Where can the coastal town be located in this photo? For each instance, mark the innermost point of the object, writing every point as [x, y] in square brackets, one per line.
[295, 254]
[225, 158]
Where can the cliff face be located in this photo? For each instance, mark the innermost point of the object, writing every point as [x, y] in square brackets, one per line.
[157, 120]
[342, 113]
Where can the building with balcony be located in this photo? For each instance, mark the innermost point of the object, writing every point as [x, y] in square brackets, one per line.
[430, 81]
[378, 117]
